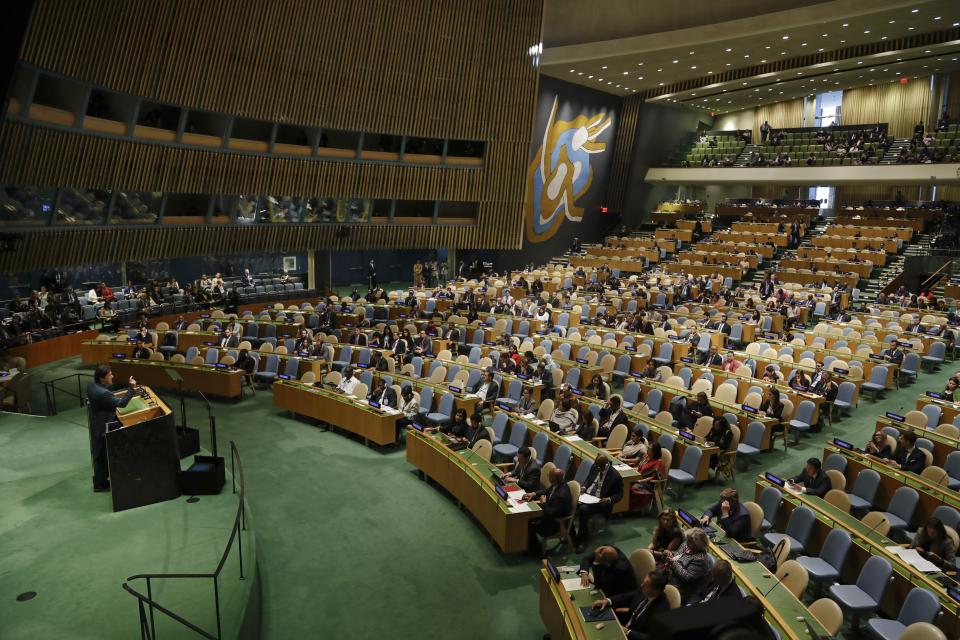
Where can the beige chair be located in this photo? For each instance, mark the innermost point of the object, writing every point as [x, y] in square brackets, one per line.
[726, 393]
[922, 631]
[564, 524]
[753, 399]
[756, 517]
[178, 358]
[196, 360]
[245, 345]
[407, 369]
[916, 418]
[462, 360]
[948, 430]
[673, 596]
[877, 521]
[308, 377]
[934, 475]
[643, 563]
[360, 391]
[484, 449]
[444, 354]
[702, 426]
[617, 438]
[705, 386]
[163, 326]
[333, 378]
[485, 363]
[266, 347]
[665, 372]
[544, 471]
[837, 480]
[794, 577]
[545, 410]
[829, 614]
[664, 418]
[557, 375]
[281, 350]
[438, 375]
[781, 552]
[156, 355]
[839, 499]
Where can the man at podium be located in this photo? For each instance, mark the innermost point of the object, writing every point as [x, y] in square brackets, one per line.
[103, 407]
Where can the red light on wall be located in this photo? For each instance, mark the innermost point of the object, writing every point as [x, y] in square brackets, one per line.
[904, 79]
[604, 209]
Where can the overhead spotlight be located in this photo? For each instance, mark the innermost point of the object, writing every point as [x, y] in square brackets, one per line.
[891, 22]
[728, 50]
[786, 37]
[571, 70]
[694, 67]
[639, 77]
[675, 61]
[915, 11]
[626, 73]
[845, 24]
[866, 31]
[591, 77]
[604, 67]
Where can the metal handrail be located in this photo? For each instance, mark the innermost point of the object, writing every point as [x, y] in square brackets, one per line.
[50, 391]
[933, 277]
[147, 606]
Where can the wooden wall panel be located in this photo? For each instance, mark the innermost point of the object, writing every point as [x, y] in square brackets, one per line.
[68, 247]
[780, 115]
[623, 152]
[441, 68]
[858, 194]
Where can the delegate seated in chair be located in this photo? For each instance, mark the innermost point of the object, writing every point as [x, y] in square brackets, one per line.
[603, 482]
[556, 502]
[812, 480]
[643, 604]
[611, 571]
[349, 381]
[907, 456]
[730, 514]
[525, 472]
[695, 410]
[721, 585]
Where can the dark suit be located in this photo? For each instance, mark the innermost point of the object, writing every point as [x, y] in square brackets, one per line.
[102, 410]
[641, 612]
[736, 524]
[229, 343]
[557, 506]
[724, 328]
[895, 356]
[712, 361]
[610, 486]
[712, 591]
[387, 398]
[180, 325]
[766, 289]
[607, 425]
[358, 339]
[613, 579]
[817, 485]
[913, 461]
[528, 476]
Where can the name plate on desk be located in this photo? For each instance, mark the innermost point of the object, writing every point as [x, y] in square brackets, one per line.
[204, 315]
[874, 356]
[418, 427]
[576, 392]
[843, 444]
[770, 336]
[374, 404]
[688, 435]
[209, 344]
[894, 416]
[934, 394]
[748, 408]
[636, 374]
[283, 376]
[523, 377]
[119, 356]
[362, 365]
[909, 345]
[504, 406]
[687, 360]
[841, 371]
[629, 348]
[774, 479]
[221, 365]
[582, 360]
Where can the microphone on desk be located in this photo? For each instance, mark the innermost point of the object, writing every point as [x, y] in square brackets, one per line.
[779, 580]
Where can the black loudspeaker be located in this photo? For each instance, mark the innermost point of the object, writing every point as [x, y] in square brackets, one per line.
[188, 441]
[205, 477]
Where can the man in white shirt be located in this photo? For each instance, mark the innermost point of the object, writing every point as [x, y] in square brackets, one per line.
[349, 382]
[92, 296]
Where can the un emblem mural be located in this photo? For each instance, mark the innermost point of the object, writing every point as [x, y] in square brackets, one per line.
[560, 172]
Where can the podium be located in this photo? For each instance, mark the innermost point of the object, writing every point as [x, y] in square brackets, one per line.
[142, 452]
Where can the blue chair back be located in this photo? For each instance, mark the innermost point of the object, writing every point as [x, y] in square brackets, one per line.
[654, 398]
[426, 399]
[845, 391]
[573, 377]
[561, 459]
[691, 460]
[631, 392]
[835, 548]
[514, 391]
[499, 426]
[273, 363]
[452, 372]
[920, 605]
[666, 351]
[212, 356]
[937, 350]
[475, 355]
[192, 352]
[518, 434]
[836, 462]
[362, 358]
[474, 378]
[666, 442]
[623, 364]
[770, 500]
[879, 375]
[805, 412]
[685, 374]
[583, 471]
[946, 514]
[292, 369]
[866, 485]
[446, 404]
[539, 445]
[874, 577]
[903, 503]
[366, 378]
[933, 413]
[417, 363]
[755, 431]
[952, 465]
[800, 524]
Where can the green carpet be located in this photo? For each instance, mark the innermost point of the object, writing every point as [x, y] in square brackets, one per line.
[351, 544]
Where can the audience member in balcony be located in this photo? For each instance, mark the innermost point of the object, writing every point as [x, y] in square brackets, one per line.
[764, 131]
[247, 279]
[918, 131]
[811, 159]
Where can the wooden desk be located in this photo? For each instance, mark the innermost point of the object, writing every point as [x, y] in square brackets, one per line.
[943, 445]
[862, 269]
[466, 476]
[878, 258]
[778, 239]
[340, 410]
[560, 610]
[843, 242]
[212, 381]
[93, 352]
[725, 271]
[876, 231]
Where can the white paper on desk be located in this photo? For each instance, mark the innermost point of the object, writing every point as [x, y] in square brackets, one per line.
[515, 495]
[572, 584]
[572, 438]
[390, 411]
[586, 498]
[622, 467]
[519, 507]
[567, 568]
[914, 559]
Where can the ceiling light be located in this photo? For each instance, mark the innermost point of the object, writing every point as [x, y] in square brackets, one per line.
[824, 35]
[845, 24]
[693, 94]
[599, 79]
[803, 44]
[747, 55]
[956, 24]
[604, 67]
[891, 22]
[786, 37]
[842, 41]
[728, 50]
[661, 84]
[744, 84]
[883, 37]
[571, 70]
[910, 28]
[927, 51]
[675, 61]
[915, 11]
[691, 53]
[580, 73]
[783, 53]
[763, 61]
[590, 76]
[860, 62]
[710, 73]
[799, 73]
[639, 64]
[611, 82]
[626, 72]
[866, 31]
[728, 64]
[818, 50]
[694, 67]
[767, 47]
[659, 69]
[639, 77]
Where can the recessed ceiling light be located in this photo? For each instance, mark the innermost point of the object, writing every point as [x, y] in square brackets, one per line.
[824, 35]
[767, 47]
[728, 64]
[580, 73]
[845, 24]
[915, 11]
[819, 50]
[883, 37]
[746, 55]
[571, 70]
[590, 76]
[866, 31]
[694, 67]
[604, 67]
[786, 37]
[927, 51]
[639, 77]
[956, 24]
[891, 22]
[842, 41]
[626, 72]
[803, 44]
[710, 73]
[639, 64]
[799, 73]
[860, 62]
[675, 61]
[693, 94]
[910, 28]
[763, 61]
[661, 84]
[659, 69]
[728, 50]
[611, 82]
[691, 53]
[744, 84]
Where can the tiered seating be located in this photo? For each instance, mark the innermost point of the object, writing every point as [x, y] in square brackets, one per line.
[720, 147]
[803, 147]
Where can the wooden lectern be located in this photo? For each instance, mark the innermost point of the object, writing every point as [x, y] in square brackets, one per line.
[142, 452]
